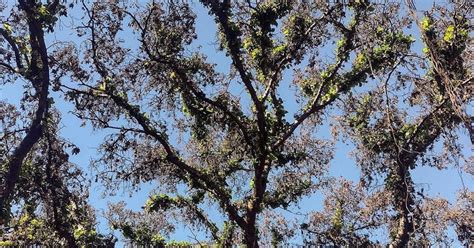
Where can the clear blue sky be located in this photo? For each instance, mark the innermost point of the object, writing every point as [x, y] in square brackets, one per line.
[444, 183]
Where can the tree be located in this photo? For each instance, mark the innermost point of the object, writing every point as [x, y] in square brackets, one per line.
[392, 139]
[241, 154]
[235, 140]
[48, 193]
[33, 65]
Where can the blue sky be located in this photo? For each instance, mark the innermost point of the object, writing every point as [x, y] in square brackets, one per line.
[444, 183]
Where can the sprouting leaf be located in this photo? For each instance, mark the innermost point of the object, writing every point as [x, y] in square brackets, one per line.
[7, 27]
[102, 86]
[425, 24]
[449, 34]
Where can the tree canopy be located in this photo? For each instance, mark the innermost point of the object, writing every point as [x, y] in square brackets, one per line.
[230, 152]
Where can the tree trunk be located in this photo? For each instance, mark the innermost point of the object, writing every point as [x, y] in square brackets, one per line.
[39, 78]
[403, 202]
[251, 239]
[402, 236]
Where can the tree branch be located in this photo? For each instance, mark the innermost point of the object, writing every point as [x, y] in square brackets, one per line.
[208, 184]
[221, 11]
[12, 43]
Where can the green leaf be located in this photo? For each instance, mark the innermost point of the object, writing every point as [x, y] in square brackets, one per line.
[426, 24]
[7, 27]
[7, 243]
[449, 34]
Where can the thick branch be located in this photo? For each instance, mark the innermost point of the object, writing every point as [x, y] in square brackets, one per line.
[225, 110]
[221, 11]
[208, 183]
[315, 106]
[15, 49]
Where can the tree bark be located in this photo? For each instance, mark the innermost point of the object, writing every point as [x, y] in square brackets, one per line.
[403, 200]
[250, 235]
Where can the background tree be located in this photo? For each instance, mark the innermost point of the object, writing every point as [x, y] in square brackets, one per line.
[43, 197]
[397, 134]
[26, 56]
[351, 215]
